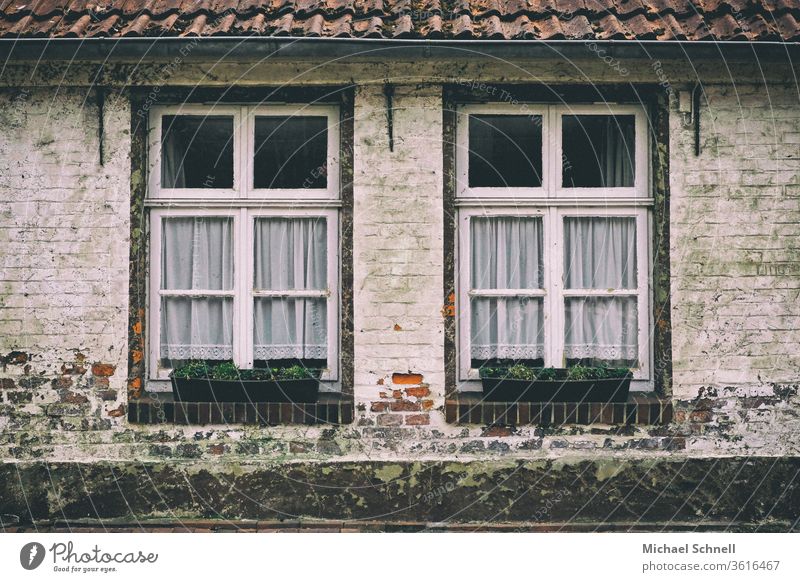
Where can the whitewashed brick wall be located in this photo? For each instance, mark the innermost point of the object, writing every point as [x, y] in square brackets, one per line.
[736, 240]
[64, 230]
[64, 247]
[398, 251]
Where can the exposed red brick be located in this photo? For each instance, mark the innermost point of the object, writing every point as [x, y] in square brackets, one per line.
[75, 369]
[380, 382]
[700, 416]
[390, 419]
[418, 391]
[61, 383]
[74, 398]
[405, 406]
[418, 419]
[379, 406]
[427, 404]
[679, 416]
[100, 382]
[398, 378]
[397, 327]
[397, 394]
[497, 431]
[216, 449]
[383, 394]
[117, 412]
[103, 369]
[296, 447]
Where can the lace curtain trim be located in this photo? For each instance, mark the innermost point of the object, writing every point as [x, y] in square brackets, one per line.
[196, 352]
[285, 351]
[507, 351]
[603, 352]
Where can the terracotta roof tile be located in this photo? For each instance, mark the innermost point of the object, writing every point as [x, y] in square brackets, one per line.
[752, 20]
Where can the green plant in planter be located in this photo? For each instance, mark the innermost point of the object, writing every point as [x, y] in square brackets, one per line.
[193, 369]
[198, 369]
[226, 371]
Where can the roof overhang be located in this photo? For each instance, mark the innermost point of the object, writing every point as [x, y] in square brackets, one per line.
[254, 48]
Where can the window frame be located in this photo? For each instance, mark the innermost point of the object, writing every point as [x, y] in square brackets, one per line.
[244, 204]
[553, 205]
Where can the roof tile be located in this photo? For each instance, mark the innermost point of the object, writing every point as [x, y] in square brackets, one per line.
[469, 19]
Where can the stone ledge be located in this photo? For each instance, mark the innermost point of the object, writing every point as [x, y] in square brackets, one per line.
[640, 409]
[736, 493]
[330, 409]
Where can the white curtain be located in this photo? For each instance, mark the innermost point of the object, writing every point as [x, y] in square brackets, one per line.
[197, 254]
[173, 150]
[600, 253]
[617, 158]
[290, 254]
[506, 253]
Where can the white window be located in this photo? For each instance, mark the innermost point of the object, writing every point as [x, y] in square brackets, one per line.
[244, 237]
[553, 228]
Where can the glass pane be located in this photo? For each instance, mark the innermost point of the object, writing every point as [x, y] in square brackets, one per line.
[197, 253]
[197, 151]
[290, 328]
[290, 253]
[291, 152]
[196, 328]
[601, 330]
[507, 328]
[598, 151]
[600, 253]
[506, 253]
[505, 150]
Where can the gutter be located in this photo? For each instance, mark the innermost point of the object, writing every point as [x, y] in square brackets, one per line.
[249, 48]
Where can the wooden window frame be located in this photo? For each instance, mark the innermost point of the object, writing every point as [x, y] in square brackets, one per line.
[244, 204]
[553, 203]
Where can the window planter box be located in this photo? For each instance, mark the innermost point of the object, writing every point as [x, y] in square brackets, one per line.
[505, 389]
[204, 390]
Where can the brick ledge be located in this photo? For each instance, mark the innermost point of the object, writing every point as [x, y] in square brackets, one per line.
[330, 409]
[645, 408]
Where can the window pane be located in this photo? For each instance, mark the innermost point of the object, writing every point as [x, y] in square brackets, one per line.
[600, 253]
[598, 151]
[505, 150]
[197, 253]
[290, 253]
[601, 329]
[291, 152]
[197, 151]
[196, 328]
[290, 328]
[506, 253]
[507, 328]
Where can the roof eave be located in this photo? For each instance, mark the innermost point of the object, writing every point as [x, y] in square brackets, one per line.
[258, 47]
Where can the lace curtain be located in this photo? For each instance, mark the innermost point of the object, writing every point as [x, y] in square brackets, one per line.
[600, 253]
[290, 254]
[197, 254]
[506, 253]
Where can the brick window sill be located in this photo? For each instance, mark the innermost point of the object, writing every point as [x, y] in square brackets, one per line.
[329, 409]
[643, 408]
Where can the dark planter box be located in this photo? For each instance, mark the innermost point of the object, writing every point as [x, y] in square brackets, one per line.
[510, 390]
[201, 390]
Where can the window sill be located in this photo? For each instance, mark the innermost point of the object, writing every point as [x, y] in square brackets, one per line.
[643, 408]
[329, 409]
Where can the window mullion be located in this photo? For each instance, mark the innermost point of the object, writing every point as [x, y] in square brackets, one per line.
[241, 265]
[557, 331]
